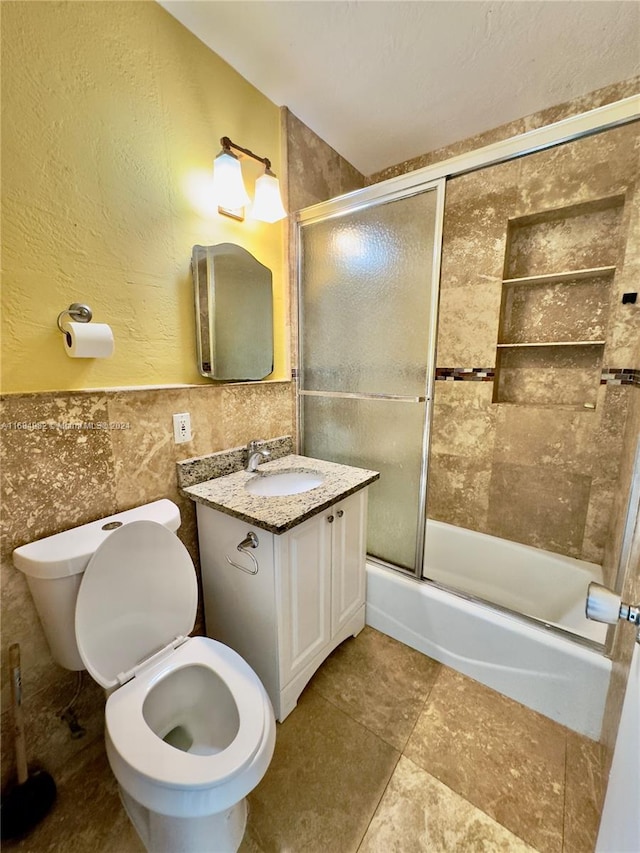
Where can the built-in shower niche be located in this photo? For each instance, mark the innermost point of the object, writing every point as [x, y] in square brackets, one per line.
[558, 271]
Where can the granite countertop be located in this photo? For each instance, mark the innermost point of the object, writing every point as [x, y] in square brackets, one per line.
[281, 513]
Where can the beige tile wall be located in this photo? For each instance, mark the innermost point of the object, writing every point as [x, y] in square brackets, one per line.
[315, 171]
[60, 477]
[542, 474]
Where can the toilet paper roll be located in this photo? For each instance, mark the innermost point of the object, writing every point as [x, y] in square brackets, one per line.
[88, 340]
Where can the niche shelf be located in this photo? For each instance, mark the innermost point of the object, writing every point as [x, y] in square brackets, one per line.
[553, 322]
[553, 344]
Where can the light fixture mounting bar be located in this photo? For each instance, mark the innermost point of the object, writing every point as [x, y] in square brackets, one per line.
[227, 144]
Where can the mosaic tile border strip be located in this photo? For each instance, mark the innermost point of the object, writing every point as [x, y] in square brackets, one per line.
[620, 376]
[609, 375]
[465, 374]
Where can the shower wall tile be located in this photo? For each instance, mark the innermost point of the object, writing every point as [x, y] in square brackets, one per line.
[539, 506]
[528, 436]
[477, 208]
[599, 449]
[624, 634]
[458, 491]
[315, 171]
[623, 336]
[598, 520]
[625, 475]
[462, 440]
[468, 324]
[556, 177]
[464, 422]
[576, 239]
[566, 455]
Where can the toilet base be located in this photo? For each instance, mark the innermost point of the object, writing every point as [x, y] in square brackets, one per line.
[217, 833]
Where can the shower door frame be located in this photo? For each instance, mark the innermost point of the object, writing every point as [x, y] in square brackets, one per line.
[344, 206]
[607, 117]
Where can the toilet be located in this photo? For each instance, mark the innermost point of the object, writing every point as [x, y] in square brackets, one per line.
[189, 728]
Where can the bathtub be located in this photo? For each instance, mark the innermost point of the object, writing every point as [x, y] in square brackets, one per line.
[538, 583]
[550, 673]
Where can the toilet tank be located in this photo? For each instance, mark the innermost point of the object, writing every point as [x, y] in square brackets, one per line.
[54, 567]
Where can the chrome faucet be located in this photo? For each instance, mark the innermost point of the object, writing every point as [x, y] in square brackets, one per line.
[255, 456]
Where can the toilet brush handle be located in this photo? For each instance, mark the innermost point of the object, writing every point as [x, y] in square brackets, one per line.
[18, 718]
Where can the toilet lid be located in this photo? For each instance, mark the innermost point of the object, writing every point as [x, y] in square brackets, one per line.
[138, 593]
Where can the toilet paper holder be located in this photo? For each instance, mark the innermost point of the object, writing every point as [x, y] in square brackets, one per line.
[78, 312]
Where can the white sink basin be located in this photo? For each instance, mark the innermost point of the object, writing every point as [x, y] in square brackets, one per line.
[282, 483]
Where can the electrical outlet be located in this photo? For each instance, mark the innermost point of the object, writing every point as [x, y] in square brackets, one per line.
[182, 427]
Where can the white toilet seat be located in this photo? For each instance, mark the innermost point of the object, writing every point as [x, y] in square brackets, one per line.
[138, 594]
[135, 606]
[147, 754]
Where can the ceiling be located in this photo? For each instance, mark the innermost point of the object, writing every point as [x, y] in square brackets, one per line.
[386, 80]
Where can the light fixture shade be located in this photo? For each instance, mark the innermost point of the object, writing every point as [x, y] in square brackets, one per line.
[267, 205]
[228, 184]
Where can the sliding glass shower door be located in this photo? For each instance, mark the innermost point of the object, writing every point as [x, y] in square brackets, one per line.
[367, 307]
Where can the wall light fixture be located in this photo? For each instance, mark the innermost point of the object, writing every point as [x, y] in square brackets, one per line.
[230, 190]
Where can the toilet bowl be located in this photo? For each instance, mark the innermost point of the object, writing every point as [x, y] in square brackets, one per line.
[189, 728]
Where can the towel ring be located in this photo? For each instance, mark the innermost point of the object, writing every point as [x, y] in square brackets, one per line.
[250, 541]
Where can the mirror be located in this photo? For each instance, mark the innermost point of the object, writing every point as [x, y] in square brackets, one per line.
[234, 313]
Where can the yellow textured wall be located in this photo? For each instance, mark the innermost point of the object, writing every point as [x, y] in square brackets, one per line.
[111, 117]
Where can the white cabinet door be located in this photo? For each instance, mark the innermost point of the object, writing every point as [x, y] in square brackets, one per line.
[348, 558]
[304, 559]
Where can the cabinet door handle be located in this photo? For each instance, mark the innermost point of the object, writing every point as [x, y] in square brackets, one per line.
[340, 513]
[330, 519]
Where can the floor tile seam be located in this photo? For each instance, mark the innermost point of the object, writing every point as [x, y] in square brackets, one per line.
[358, 722]
[377, 805]
[469, 803]
[564, 792]
[483, 810]
[423, 707]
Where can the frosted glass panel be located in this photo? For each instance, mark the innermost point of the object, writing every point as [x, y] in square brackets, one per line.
[385, 436]
[366, 296]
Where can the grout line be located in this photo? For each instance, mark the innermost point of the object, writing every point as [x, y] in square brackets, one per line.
[564, 792]
[377, 806]
[353, 719]
[424, 705]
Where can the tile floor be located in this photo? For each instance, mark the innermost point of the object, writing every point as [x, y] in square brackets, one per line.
[386, 751]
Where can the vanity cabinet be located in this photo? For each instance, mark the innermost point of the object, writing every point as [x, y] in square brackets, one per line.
[307, 596]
